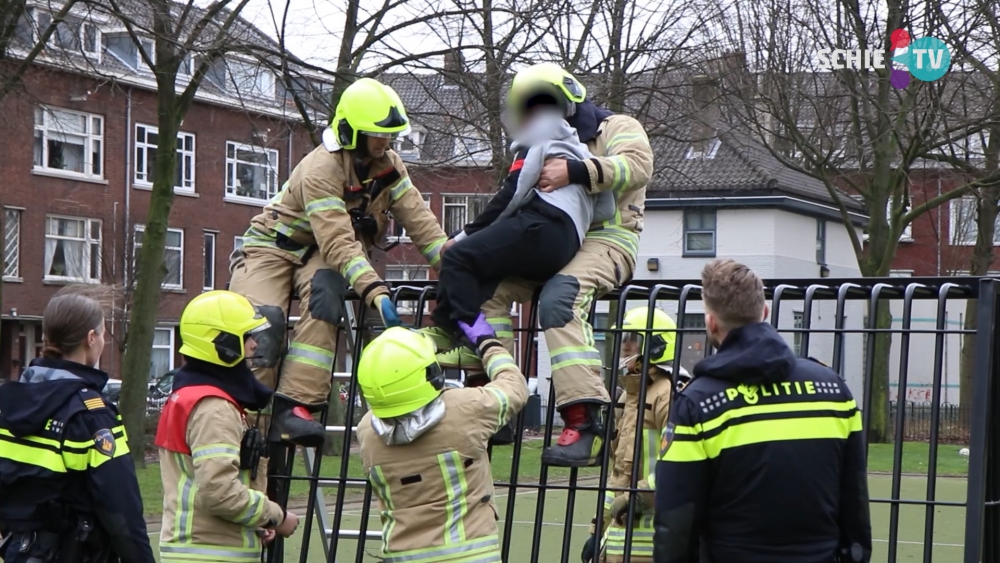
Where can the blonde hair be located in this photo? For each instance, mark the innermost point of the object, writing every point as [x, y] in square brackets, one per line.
[733, 293]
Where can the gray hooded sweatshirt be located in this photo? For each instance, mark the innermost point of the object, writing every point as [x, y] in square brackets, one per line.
[548, 135]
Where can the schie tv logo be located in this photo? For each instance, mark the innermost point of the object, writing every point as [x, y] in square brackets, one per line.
[927, 58]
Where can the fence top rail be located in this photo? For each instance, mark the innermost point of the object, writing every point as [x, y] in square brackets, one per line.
[958, 287]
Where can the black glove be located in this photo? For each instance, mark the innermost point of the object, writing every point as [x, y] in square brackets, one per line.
[589, 550]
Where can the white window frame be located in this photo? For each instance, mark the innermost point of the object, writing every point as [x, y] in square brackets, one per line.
[234, 161]
[445, 204]
[11, 249]
[470, 145]
[180, 184]
[171, 352]
[136, 245]
[151, 52]
[209, 265]
[393, 225]
[48, 129]
[966, 205]
[907, 234]
[408, 271]
[415, 138]
[821, 238]
[88, 224]
[714, 232]
[248, 81]
[710, 151]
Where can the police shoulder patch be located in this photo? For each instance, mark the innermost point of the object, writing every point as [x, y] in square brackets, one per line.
[104, 442]
[666, 438]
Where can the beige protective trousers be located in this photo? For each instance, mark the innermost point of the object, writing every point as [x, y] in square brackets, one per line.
[267, 277]
[564, 305]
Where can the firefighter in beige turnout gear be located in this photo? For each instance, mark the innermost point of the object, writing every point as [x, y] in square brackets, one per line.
[623, 457]
[623, 165]
[314, 237]
[424, 450]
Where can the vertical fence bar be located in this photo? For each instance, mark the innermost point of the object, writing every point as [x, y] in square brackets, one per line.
[985, 372]
[942, 312]
[866, 411]
[807, 307]
[897, 447]
[515, 462]
[838, 338]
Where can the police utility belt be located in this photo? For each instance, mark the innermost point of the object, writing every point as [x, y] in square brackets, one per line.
[85, 543]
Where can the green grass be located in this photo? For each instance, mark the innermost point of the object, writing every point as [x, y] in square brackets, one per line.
[915, 459]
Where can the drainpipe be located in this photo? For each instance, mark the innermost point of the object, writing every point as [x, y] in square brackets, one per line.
[128, 194]
[941, 235]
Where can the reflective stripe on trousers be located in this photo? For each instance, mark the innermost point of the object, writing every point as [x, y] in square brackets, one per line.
[170, 552]
[479, 550]
[642, 538]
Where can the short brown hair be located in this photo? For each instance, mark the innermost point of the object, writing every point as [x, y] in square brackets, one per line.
[733, 293]
[71, 315]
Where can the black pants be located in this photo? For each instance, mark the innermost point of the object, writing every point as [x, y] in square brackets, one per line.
[535, 243]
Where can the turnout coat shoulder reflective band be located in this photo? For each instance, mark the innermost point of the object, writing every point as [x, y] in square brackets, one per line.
[436, 491]
[211, 509]
[314, 208]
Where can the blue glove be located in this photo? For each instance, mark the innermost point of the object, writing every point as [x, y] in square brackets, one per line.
[387, 310]
[479, 331]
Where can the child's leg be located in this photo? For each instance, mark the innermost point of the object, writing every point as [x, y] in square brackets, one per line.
[530, 244]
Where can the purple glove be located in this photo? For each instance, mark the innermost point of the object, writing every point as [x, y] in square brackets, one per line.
[479, 331]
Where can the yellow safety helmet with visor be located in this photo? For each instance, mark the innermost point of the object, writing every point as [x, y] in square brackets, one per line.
[662, 337]
[399, 373]
[215, 326]
[544, 79]
[367, 106]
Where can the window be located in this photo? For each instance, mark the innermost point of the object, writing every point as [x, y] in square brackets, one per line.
[799, 319]
[69, 141]
[251, 172]
[396, 231]
[699, 232]
[407, 273]
[962, 222]
[907, 234]
[73, 249]
[461, 209]
[821, 242]
[70, 35]
[250, 78]
[711, 149]
[209, 254]
[146, 139]
[408, 146]
[977, 143]
[162, 359]
[471, 144]
[900, 274]
[173, 256]
[11, 243]
[149, 48]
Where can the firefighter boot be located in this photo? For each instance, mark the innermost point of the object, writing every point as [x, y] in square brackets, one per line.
[582, 438]
[292, 422]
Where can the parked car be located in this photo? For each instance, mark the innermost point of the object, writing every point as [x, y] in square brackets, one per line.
[112, 390]
[160, 389]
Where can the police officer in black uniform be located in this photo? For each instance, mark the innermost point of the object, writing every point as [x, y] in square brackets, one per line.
[68, 489]
[762, 459]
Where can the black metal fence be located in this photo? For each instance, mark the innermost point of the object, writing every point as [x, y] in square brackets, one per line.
[970, 532]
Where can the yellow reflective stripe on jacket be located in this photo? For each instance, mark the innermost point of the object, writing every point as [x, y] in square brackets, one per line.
[432, 252]
[400, 188]
[479, 550]
[253, 512]
[381, 486]
[650, 449]
[642, 538]
[310, 355]
[181, 553]
[453, 473]
[620, 173]
[623, 138]
[575, 356]
[652, 481]
[79, 456]
[779, 427]
[184, 513]
[331, 203]
[497, 363]
[501, 326]
[210, 451]
[504, 405]
[40, 452]
[356, 268]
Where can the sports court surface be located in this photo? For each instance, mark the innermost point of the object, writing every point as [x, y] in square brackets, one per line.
[949, 524]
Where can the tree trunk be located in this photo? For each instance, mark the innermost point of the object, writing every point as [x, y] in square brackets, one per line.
[877, 264]
[149, 274]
